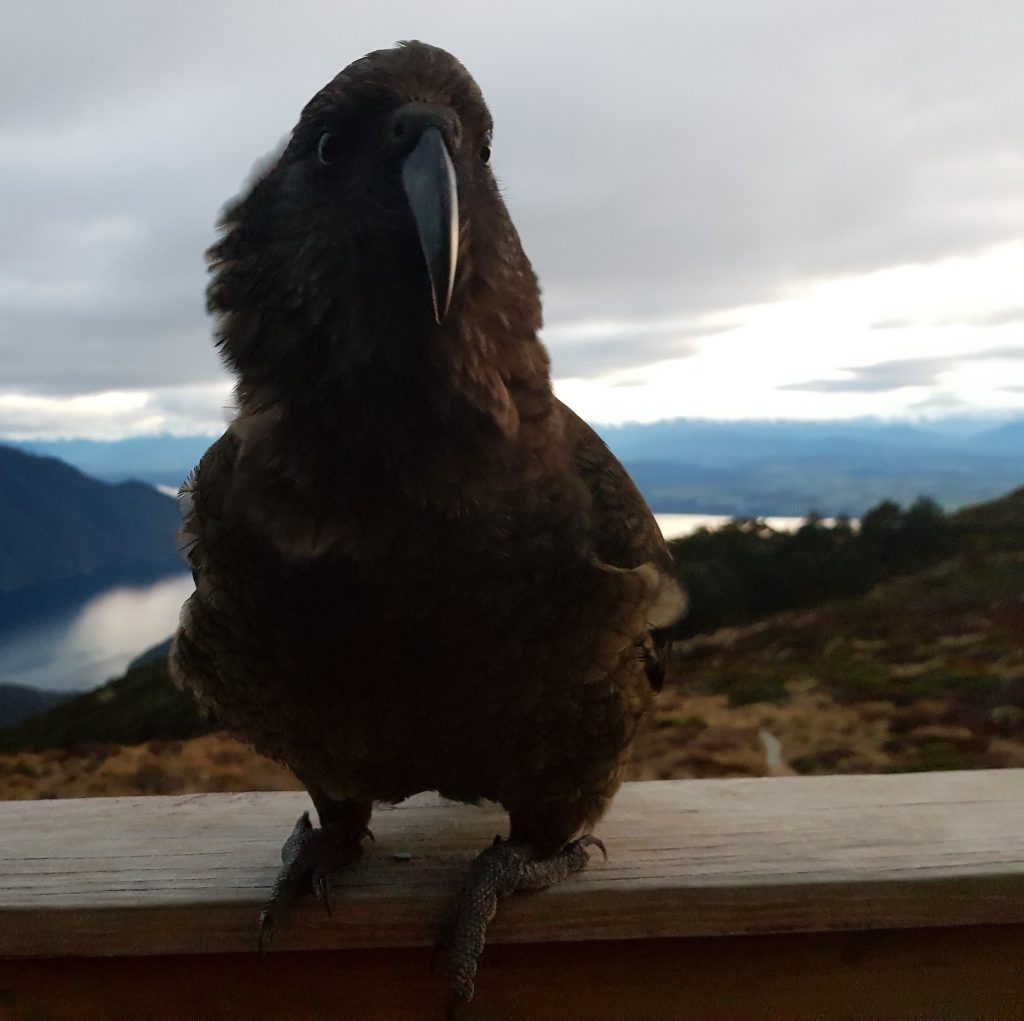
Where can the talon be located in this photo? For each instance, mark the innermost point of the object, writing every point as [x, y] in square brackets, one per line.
[310, 857]
[368, 833]
[322, 889]
[589, 840]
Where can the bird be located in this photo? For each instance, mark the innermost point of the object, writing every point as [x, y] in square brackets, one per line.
[415, 568]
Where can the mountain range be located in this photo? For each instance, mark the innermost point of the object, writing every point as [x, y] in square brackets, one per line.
[58, 524]
[744, 468]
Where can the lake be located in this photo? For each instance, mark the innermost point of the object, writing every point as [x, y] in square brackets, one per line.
[76, 641]
[674, 526]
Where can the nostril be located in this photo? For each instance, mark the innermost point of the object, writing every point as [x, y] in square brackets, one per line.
[398, 129]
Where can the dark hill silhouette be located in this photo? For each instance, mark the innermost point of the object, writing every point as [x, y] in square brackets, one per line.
[141, 705]
[1005, 513]
[57, 524]
[18, 702]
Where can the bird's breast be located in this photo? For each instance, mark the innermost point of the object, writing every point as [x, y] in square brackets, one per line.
[433, 665]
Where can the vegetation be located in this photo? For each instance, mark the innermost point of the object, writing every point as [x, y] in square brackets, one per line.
[213, 762]
[923, 672]
[143, 705]
[747, 570]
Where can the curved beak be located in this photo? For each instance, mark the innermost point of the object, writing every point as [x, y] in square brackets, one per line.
[429, 181]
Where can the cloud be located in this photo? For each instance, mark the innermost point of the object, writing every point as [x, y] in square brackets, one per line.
[942, 405]
[905, 372]
[179, 411]
[879, 378]
[592, 348]
[664, 163]
[997, 317]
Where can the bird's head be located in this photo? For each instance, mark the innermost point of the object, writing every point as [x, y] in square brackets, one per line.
[378, 238]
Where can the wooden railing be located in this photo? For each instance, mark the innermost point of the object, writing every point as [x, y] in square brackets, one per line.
[856, 897]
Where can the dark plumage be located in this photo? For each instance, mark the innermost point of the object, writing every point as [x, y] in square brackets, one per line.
[415, 568]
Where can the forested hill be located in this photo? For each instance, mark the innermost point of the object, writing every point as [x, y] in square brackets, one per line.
[56, 523]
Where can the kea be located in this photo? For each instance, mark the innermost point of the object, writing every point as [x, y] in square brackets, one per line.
[415, 568]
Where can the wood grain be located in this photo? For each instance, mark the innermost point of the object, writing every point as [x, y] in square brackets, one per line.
[185, 875]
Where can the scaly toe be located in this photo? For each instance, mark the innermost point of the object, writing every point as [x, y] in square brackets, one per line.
[310, 857]
[503, 868]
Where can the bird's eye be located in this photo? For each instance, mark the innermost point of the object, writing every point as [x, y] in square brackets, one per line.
[485, 151]
[327, 149]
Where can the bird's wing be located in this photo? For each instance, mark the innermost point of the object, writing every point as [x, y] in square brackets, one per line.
[625, 534]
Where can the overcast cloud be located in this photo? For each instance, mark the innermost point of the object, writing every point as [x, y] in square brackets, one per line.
[895, 375]
[668, 165]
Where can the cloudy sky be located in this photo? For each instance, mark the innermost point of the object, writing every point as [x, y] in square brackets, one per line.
[737, 209]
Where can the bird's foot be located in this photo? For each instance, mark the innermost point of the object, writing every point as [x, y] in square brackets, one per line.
[503, 868]
[310, 856]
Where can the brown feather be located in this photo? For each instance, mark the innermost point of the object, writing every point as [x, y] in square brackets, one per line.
[415, 568]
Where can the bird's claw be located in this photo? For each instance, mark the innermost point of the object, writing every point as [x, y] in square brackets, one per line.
[589, 840]
[310, 856]
[322, 889]
[499, 870]
[264, 931]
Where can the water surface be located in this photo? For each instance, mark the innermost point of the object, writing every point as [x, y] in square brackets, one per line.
[674, 526]
[73, 643]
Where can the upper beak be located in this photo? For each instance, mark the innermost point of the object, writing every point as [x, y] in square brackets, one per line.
[429, 180]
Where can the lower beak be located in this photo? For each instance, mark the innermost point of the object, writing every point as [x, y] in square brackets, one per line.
[429, 181]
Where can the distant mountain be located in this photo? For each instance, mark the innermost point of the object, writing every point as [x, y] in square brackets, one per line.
[756, 467]
[17, 702]
[57, 524]
[142, 705]
[158, 460]
[708, 442]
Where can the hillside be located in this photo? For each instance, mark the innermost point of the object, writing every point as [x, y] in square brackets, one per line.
[142, 705]
[17, 702]
[996, 524]
[56, 523]
[923, 671]
[213, 762]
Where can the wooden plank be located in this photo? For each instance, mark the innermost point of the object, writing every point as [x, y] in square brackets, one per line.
[947, 974]
[687, 859]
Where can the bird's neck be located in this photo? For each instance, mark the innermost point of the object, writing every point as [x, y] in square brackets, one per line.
[465, 412]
